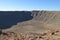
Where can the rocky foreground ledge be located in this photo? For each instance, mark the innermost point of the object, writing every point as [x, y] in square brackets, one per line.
[48, 35]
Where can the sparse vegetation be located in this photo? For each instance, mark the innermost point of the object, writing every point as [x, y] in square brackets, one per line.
[49, 35]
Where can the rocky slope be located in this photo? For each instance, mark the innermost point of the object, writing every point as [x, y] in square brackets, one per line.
[39, 21]
[30, 25]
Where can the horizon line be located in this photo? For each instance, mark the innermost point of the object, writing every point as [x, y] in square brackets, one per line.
[30, 10]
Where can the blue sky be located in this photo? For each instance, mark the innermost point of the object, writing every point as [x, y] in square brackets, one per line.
[29, 5]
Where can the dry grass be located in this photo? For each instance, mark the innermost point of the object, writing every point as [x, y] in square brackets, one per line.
[49, 35]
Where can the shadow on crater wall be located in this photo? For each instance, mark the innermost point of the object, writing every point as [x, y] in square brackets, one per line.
[10, 18]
